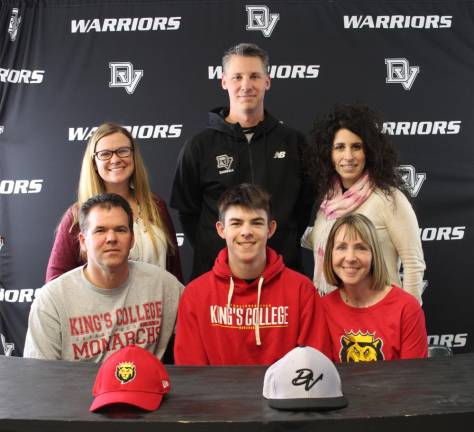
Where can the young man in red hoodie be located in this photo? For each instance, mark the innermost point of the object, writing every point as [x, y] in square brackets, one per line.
[250, 308]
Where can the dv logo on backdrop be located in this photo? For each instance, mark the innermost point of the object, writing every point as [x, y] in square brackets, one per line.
[399, 71]
[13, 26]
[259, 18]
[122, 74]
[8, 347]
[413, 180]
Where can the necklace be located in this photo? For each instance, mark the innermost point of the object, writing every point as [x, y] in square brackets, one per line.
[374, 298]
[353, 303]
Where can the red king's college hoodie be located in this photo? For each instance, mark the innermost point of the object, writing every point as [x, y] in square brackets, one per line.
[223, 320]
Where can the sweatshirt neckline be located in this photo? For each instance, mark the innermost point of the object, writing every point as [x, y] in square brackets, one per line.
[381, 302]
[105, 291]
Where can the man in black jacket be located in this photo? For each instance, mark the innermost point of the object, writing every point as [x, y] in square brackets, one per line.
[243, 143]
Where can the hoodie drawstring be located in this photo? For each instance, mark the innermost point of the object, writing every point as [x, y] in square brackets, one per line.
[231, 292]
[259, 293]
[257, 324]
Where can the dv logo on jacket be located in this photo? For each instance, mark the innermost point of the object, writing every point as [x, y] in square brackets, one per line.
[224, 162]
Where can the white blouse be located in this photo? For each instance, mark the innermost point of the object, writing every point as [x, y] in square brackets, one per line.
[143, 250]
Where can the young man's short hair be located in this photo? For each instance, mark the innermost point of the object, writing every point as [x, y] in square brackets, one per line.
[105, 201]
[246, 50]
[245, 195]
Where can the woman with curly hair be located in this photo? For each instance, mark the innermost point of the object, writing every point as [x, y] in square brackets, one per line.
[354, 168]
[112, 163]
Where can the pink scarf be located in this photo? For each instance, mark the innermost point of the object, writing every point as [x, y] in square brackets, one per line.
[339, 205]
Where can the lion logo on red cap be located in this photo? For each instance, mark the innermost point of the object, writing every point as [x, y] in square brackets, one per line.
[125, 372]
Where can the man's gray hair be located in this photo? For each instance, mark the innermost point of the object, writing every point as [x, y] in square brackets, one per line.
[246, 50]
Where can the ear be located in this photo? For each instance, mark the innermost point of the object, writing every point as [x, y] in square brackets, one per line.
[82, 242]
[272, 226]
[224, 82]
[220, 229]
[268, 82]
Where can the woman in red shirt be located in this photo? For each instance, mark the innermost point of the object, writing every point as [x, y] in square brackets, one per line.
[368, 319]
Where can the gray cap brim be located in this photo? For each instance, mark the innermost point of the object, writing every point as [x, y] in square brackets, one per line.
[308, 404]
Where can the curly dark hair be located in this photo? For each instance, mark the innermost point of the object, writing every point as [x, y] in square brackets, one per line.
[381, 159]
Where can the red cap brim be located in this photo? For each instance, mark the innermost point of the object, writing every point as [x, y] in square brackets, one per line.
[143, 400]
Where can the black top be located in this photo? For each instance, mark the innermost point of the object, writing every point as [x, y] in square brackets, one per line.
[396, 396]
[221, 157]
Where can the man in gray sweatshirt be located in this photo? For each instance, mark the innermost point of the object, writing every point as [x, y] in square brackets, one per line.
[110, 302]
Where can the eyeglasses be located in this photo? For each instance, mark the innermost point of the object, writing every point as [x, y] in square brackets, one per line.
[122, 152]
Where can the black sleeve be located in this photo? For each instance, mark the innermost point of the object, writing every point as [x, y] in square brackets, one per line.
[189, 223]
[307, 193]
[186, 195]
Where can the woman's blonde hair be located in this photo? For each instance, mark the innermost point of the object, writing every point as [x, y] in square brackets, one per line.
[90, 182]
[357, 224]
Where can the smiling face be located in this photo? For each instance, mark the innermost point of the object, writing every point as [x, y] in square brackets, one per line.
[115, 171]
[348, 156]
[351, 258]
[246, 232]
[246, 81]
[107, 240]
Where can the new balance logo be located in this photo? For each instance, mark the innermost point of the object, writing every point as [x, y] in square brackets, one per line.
[123, 75]
[413, 180]
[259, 18]
[279, 155]
[400, 72]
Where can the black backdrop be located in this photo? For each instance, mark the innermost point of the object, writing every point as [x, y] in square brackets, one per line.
[67, 66]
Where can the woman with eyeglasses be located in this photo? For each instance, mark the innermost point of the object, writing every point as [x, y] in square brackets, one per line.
[368, 318]
[112, 164]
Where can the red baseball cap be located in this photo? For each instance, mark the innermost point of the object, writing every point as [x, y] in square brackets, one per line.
[132, 376]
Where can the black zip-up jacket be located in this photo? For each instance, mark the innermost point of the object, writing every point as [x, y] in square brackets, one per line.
[220, 157]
